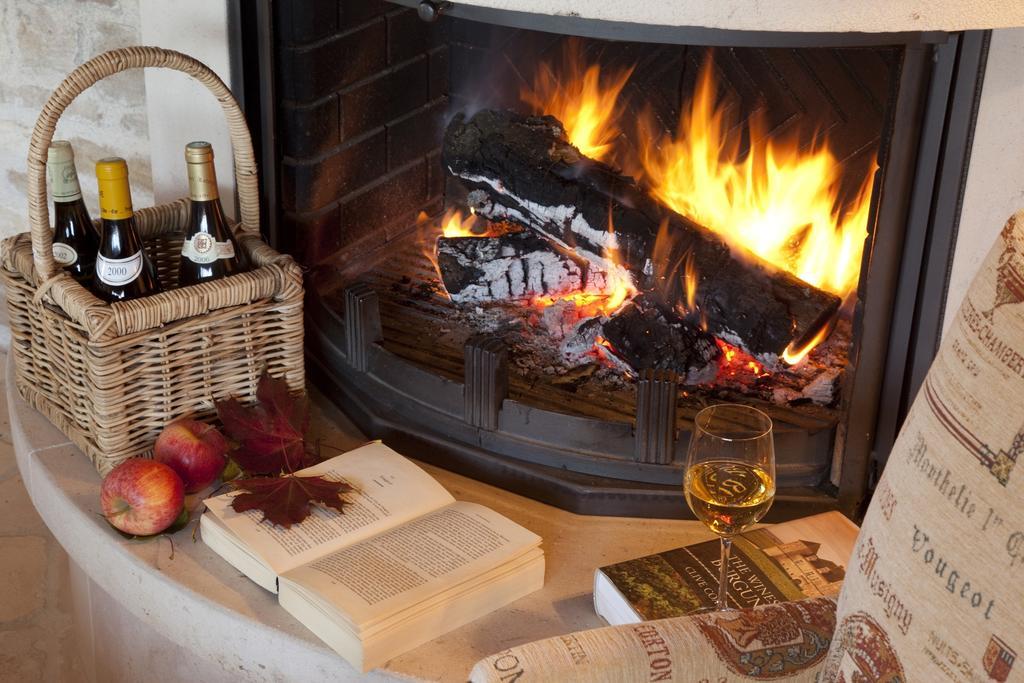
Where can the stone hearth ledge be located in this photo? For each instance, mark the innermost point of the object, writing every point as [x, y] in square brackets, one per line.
[194, 617]
[839, 16]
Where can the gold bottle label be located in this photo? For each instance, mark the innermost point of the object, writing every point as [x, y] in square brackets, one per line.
[202, 178]
[115, 195]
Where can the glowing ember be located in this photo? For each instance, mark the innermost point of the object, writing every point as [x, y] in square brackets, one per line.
[777, 201]
[734, 362]
[577, 95]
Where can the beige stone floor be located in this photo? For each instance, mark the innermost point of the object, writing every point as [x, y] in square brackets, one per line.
[35, 619]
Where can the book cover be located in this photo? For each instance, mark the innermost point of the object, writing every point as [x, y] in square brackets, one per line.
[772, 564]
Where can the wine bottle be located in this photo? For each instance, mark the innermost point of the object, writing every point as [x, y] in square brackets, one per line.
[123, 270]
[75, 241]
[209, 250]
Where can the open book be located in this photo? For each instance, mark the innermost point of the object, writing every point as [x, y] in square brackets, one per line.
[775, 563]
[402, 565]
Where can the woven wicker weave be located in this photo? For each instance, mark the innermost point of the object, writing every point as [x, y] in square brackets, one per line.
[110, 376]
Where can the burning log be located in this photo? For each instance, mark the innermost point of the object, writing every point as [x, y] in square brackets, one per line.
[523, 169]
[648, 336]
[518, 265]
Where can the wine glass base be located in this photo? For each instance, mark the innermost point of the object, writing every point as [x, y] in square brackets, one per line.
[712, 610]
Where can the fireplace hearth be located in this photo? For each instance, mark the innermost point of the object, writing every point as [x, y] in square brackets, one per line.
[563, 355]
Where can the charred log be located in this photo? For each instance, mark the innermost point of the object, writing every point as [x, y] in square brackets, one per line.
[523, 169]
[514, 266]
[647, 336]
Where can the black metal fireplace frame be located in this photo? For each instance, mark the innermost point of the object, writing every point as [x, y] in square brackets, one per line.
[920, 193]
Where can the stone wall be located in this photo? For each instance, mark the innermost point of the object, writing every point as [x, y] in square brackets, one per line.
[40, 42]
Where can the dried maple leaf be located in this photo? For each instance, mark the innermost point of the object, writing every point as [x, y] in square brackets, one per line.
[285, 500]
[270, 435]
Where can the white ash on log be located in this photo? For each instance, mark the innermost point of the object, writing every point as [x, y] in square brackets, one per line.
[648, 336]
[578, 345]
[513, 266]
[522, 169]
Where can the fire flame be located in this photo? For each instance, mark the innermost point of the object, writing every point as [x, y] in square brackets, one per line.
[792, 356]
[577, 95]
[779, 202]
[618, 283]
[456, 225]
[690, 280]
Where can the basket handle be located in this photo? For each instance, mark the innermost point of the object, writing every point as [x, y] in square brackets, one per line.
[108, 64]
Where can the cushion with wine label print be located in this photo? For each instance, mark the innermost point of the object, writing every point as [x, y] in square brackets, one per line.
[932, 591]
[779, 642]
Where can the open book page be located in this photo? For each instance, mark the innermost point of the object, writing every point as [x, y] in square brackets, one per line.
[389, 490]
[372, 580]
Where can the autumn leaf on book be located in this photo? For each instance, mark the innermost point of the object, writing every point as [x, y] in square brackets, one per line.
[269, 436]
[269, 440]
[285, 500]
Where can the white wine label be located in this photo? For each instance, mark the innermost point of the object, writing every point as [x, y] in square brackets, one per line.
[64, 254]
[203, 248]
[118, 271]
[63, 181]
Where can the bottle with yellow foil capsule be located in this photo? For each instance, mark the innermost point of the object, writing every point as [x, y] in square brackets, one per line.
[123, 271]
[209, 250]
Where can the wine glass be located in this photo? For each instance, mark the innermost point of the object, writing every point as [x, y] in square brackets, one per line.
[730, 474]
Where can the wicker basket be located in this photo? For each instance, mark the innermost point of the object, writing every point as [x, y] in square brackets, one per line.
[110, 376]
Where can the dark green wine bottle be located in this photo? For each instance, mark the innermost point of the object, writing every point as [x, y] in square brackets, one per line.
[209, 250]
[123, 270]
[75, 241]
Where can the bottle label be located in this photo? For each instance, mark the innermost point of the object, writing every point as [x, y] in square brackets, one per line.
[64, 254]
[116, 272]
[203, 248]
[202, 182]
[63, 181]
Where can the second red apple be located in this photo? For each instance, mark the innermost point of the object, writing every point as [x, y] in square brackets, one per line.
[195, 450]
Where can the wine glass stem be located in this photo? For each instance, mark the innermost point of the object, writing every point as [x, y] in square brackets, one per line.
[723, 580]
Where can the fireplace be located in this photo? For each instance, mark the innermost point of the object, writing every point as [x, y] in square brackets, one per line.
[432, 333]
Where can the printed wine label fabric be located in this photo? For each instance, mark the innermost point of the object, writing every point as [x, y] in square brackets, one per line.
[933, 590]
[785, 641]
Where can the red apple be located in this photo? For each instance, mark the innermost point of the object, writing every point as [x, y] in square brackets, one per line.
[195, 450]
[142, 497]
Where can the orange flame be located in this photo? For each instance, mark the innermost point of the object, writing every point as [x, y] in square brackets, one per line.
[792, 355]
[456, 225]
[690, 280]
[576, 94]
[777, 201]
[618, 283]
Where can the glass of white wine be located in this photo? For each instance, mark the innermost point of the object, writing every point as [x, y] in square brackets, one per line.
[730, 475]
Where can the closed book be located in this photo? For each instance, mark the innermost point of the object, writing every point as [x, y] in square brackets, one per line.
[776, 563]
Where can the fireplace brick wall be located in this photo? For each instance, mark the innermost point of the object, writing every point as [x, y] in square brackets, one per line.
[362, 91]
